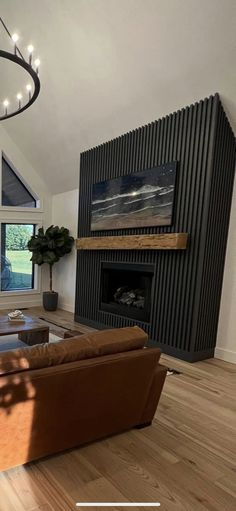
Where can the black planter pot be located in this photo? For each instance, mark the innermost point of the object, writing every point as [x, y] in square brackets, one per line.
[50, 300]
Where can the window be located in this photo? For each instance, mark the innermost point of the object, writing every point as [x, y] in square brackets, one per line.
[17, 271]
[14, 192]
[20, 215]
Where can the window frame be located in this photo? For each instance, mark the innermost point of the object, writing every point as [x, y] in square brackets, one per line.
[22, 215]
[36, 269]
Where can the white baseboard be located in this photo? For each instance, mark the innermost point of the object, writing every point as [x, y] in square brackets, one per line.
[21, 304]
[226, 355]
[69, 307]
[13, 303]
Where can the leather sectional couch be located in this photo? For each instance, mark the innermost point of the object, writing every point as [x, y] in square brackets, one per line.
[61, 395]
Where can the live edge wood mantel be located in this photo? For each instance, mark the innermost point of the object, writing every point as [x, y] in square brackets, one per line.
[169, 241]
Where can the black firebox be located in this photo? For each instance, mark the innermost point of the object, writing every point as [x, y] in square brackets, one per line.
[126, 289]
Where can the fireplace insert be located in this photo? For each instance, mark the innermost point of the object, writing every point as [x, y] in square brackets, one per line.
[126, 289]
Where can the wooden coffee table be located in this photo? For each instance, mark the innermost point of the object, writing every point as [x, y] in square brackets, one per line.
[30, 332]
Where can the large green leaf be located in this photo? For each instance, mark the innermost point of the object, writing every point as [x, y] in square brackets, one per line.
[37, 258]
[49, 245]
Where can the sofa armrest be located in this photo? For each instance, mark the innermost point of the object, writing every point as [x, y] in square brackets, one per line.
[153, 395]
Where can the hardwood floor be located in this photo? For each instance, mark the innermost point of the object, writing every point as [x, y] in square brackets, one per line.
[186, 460]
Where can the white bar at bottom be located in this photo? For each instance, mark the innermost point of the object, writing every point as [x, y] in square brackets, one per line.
[118, 504]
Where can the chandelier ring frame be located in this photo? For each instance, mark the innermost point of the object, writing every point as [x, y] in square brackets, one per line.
[22, 63]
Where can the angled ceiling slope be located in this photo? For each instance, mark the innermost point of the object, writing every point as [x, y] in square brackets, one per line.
[109, 67]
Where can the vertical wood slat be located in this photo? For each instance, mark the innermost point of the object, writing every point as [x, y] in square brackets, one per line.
[186, 297]
[217, 229]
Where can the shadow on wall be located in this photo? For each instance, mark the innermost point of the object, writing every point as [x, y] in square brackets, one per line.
[226, 325]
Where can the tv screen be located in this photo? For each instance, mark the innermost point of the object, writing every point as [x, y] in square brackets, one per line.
[142, 199]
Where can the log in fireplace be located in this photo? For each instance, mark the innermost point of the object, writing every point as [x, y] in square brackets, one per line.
[126, 289]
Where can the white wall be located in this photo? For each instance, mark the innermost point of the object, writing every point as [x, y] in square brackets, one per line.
[43, 217]
[226, 338]
[65, 213]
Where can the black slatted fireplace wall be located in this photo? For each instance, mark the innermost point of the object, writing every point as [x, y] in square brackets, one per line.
[185, 286]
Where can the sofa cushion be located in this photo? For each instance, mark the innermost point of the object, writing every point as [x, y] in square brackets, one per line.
[104, 342]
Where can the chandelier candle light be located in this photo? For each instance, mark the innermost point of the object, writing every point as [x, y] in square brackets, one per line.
[21, 101]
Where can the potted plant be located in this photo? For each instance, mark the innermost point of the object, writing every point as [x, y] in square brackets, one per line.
[48, 247]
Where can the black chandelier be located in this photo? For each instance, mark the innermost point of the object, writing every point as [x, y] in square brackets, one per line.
[32, 93]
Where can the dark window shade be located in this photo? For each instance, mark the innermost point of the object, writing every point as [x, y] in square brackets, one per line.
[14, 193]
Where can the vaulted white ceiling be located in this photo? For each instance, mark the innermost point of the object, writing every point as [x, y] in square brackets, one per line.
[109, 66]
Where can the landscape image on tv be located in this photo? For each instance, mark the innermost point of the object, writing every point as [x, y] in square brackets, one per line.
[142, 199]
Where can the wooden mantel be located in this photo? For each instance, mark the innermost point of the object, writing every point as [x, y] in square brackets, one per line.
[169, 241]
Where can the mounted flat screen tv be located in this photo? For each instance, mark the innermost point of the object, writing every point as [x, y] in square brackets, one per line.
[143, 199]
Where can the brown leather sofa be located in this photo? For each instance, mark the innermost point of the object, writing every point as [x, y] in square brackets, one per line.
[61, 395]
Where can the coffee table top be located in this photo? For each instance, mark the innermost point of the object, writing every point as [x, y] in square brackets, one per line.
[7, 327]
